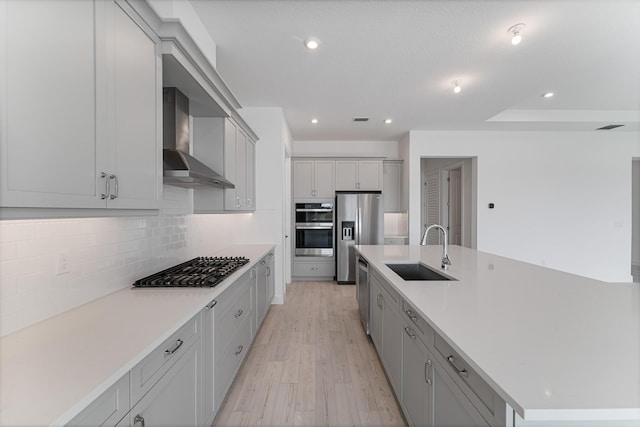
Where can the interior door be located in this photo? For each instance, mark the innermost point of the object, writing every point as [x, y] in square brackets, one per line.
[432, 205]
[455, 206]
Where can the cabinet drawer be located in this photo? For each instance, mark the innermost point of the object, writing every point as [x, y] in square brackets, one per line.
[312, 269]
[109, 408]
[490, 405]
[146, 373]
[228, 360]
[417, 322]
[384, 285]
[230, 314]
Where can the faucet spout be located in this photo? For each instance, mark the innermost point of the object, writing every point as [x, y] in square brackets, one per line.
[446, 262]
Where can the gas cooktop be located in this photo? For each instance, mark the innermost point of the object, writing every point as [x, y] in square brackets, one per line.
[201, 272]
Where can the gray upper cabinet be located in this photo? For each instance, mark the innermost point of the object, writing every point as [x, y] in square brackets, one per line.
[392, 186]
[358, 175]
[313, 179]
[79, 108]
[228, 148]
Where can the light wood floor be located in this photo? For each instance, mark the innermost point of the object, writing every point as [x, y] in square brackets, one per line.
[311, 364]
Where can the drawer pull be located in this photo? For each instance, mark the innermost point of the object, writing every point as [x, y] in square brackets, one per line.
[170, 351]
[461, 372]
[240, 348]
[238, 314]
[138, 419]
[410, 332]
[427, 371]
[211, 305]
[411, 315]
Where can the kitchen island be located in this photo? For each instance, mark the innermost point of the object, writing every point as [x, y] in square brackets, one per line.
[51, 371]
[559, 349]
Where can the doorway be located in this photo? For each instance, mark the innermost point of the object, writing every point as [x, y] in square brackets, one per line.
[448, 195]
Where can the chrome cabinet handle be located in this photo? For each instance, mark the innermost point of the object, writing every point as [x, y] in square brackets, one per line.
[263, 262]
[138, 419]
[238, 314]
[115, 178]
[237, 202]
[170, 351]
[248, 202]
[411, 315]
[268, 271]
[211, 305]
[427, 365]
[410, 332]
[240, 348]
[461, 372]
[107, 187]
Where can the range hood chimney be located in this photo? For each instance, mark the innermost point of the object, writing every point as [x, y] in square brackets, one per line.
[180, 168]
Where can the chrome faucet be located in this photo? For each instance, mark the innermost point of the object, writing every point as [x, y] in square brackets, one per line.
[446, 262]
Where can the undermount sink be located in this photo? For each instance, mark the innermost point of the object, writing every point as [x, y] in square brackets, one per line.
[416, 271]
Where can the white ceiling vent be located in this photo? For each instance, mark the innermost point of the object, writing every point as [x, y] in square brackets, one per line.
[609, 127]
[361, 119]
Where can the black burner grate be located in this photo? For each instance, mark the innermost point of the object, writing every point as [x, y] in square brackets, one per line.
[199, 272]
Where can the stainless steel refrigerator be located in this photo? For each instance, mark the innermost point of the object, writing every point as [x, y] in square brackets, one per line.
[359, 221]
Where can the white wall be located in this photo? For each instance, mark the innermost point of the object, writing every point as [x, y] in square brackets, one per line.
[268, 222]
[562, 199]
[387, 149]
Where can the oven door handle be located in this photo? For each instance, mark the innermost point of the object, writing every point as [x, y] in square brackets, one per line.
[314, 227]
[314, 210]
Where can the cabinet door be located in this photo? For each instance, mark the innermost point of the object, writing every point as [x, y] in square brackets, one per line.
[416, 378]
[369, 175]
[324, 179]
[261, 291]
[175, 400]
[271, 279]
[208, 397]
[392, 187]
[450, 406]
[251, 175]
[48, 104]
[134, 94]
[302, 178]
[241, 170]
[230, 166]
[346, 175]
[392, 342]
[375, 314]
[109, 408]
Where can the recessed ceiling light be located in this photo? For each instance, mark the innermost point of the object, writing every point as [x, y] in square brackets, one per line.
[388, 121]
[548, 94]
[314, 121]
[311, 44]
[516, 30]
[456, 86]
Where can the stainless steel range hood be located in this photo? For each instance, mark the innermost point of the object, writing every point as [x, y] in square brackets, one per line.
[180, 168]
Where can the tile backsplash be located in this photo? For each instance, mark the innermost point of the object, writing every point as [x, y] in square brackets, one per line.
[103, 255]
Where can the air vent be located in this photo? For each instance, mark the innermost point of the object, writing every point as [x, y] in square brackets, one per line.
[361, 119]
[609, 127]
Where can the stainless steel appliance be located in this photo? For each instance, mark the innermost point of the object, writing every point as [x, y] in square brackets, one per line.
[314, 229]
[201, 272]
[362, 292]
[359, 221]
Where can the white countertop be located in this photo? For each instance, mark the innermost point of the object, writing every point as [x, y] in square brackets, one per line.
[53, 369]
[553, 345]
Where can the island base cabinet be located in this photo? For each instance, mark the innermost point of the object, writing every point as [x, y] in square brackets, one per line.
[450, 405]
[175, 399]
[417, 396]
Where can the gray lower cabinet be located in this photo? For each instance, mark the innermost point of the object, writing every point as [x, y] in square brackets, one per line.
[264, 287]
[434, 385]
[108, 409]
[208, 396]
[417, 380]
[175, 399]
[386, 327]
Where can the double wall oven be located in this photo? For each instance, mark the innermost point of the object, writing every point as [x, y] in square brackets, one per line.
[314, 229]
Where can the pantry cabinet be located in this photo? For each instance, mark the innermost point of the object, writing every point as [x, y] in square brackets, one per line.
[358, 175]
[313, 179]
[392, 189]
[80, 107]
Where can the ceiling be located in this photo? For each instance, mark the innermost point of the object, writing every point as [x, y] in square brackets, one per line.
[397, 59]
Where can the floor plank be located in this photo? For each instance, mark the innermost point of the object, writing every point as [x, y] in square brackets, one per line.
[311, 364]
